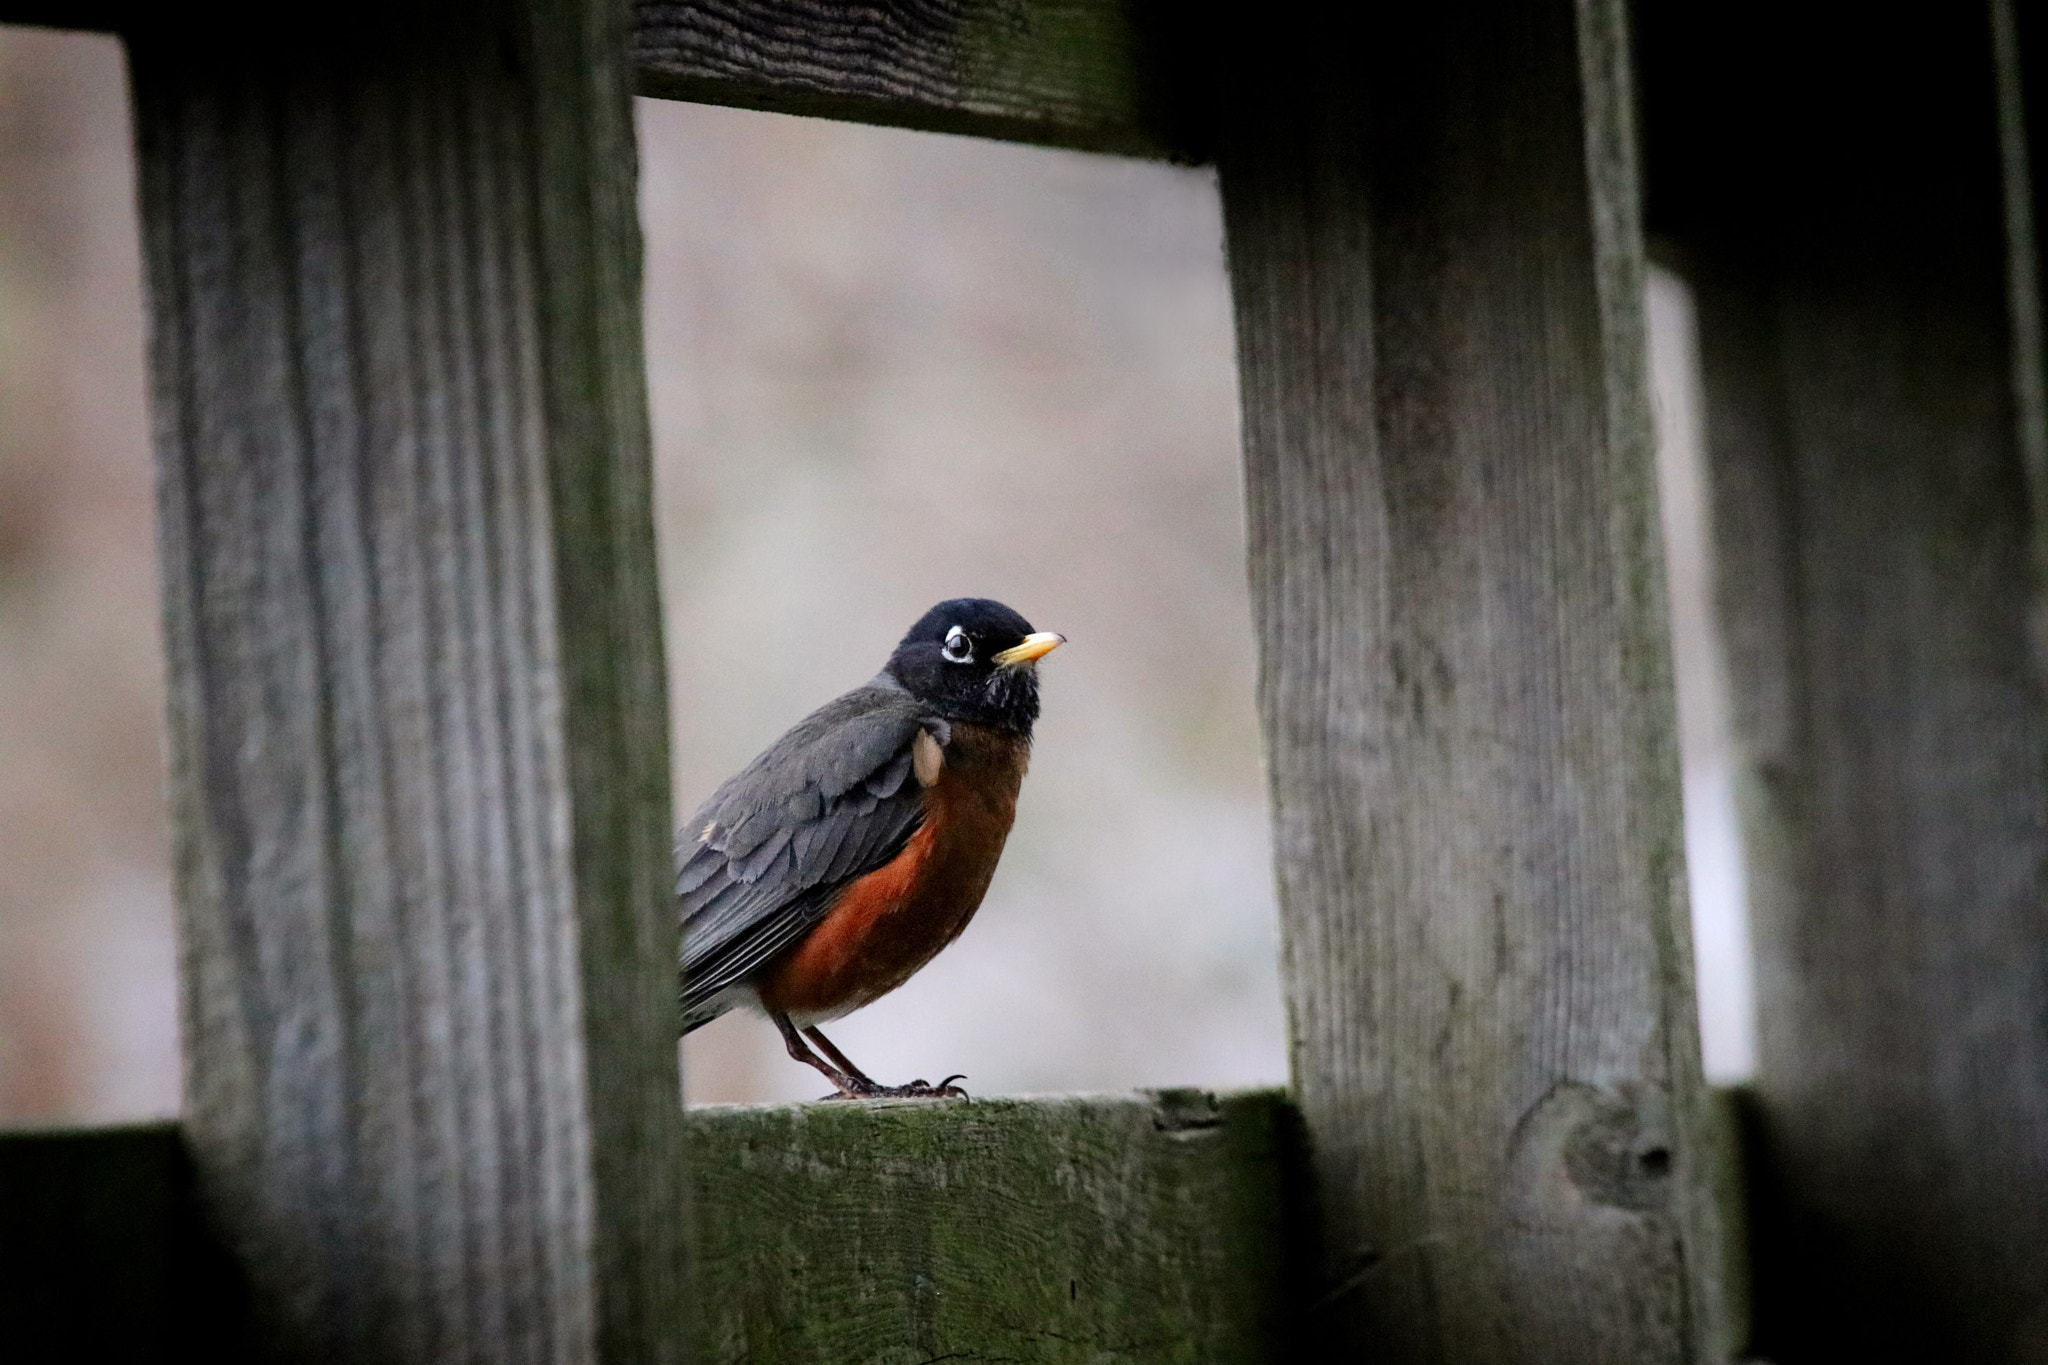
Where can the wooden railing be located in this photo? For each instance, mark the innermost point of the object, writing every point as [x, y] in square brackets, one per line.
[418, 713]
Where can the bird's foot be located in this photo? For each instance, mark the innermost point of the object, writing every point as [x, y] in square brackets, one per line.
[864, 1089]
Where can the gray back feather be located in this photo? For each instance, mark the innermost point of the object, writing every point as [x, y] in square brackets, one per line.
[764, 858]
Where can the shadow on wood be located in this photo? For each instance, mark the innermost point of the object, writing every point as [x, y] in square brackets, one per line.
[102, 1254]
[1840, 188]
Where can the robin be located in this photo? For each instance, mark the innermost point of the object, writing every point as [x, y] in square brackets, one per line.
[840, 861]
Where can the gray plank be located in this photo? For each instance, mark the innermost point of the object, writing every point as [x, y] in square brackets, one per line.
[1880, 589]
[1465, 683]
[1099, 75]
[1094, 74]
[417, 715]
[1072, 1229]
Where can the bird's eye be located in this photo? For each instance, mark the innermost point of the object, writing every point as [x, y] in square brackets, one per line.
[958, 648]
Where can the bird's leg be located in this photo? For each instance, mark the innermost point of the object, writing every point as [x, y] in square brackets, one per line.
[850, 1086]
[824, 1045]
[851, 1082]
[915, 1090]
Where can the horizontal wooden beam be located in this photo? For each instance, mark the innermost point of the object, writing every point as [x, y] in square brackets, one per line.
[1138, 1228]
[1127, 1228]
[1098, 75]
[1092, 74]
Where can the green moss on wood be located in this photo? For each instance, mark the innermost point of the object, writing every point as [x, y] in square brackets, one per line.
[1127, 1228]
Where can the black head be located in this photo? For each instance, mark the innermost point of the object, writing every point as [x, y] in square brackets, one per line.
[974, 660]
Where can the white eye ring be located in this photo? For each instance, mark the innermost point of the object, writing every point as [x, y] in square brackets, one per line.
[958, 648]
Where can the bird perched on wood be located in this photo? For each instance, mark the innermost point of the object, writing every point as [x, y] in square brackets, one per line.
[832, 867]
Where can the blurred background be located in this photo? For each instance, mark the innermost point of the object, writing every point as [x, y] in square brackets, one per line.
[885, 368]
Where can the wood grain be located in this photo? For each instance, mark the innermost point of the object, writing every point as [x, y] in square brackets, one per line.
[1099, 75]
[1077, 1229]
[417, 715]
[1875, 531]
[1093, 74]
[1465, 683]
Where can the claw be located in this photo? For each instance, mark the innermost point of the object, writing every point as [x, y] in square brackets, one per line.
[856, 1088]
[916, 1090]
[944, 1090]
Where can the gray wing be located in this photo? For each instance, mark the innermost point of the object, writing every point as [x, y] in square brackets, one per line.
[762, 860]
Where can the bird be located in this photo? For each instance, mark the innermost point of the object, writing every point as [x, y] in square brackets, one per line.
[833, 867]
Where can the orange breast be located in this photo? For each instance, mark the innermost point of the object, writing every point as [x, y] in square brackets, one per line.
[891, 922]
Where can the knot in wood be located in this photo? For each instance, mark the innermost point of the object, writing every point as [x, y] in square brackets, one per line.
[1584, 1144]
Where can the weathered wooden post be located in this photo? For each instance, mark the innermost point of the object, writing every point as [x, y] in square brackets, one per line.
[417, 711]
[1875, 434]
[1465, 680]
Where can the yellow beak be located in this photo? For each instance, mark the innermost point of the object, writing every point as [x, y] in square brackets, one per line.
[1034, 648]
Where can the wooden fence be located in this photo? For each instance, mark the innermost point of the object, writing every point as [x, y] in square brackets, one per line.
[418, 713]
